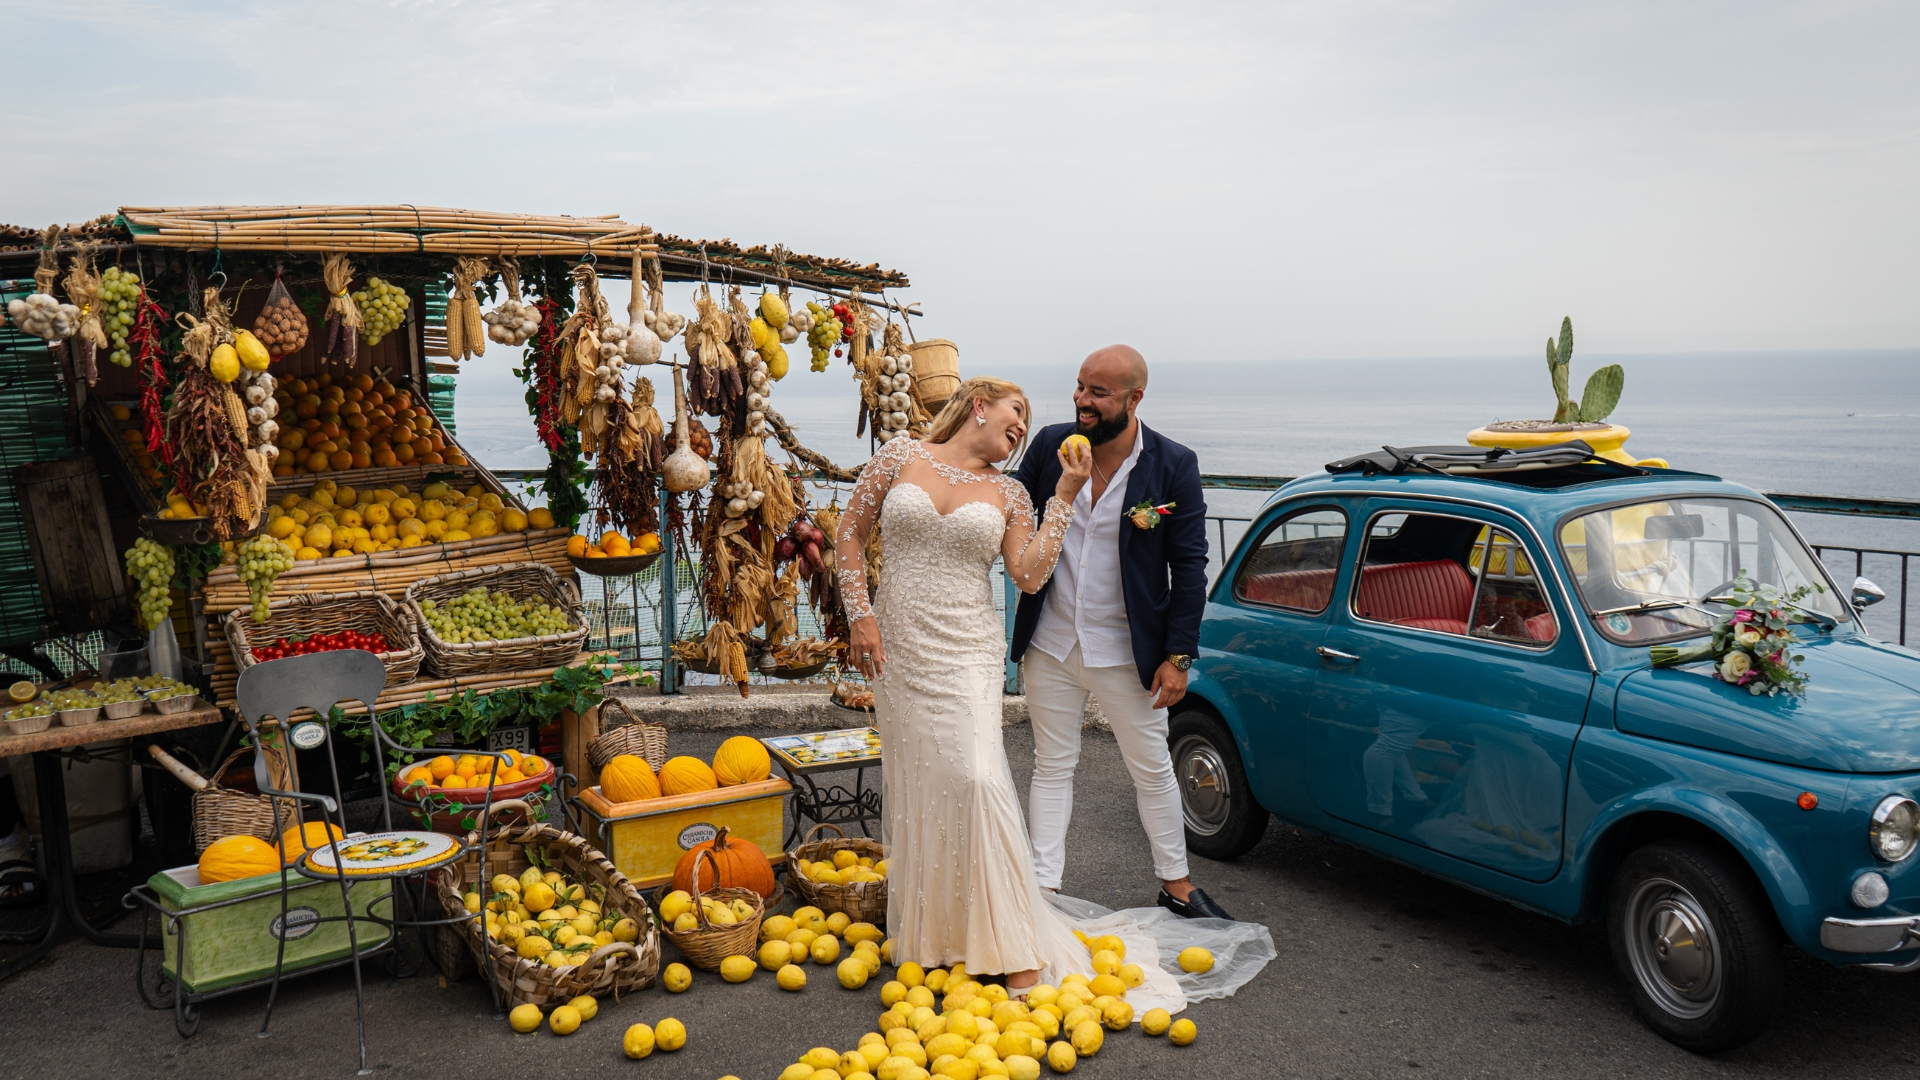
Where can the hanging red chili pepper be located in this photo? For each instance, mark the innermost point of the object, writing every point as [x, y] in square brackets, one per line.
[544, 368]
[144, 343]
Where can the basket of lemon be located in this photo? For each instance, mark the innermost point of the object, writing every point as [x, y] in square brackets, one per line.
[498, 618]
[713, 924]
[373, 617]
[553, 918]
[847, 874]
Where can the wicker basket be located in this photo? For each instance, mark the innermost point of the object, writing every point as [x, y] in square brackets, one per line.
[863, 901]
[707, 944]
[645, 741]
[936, 371]
[219, 811]
[622, 967]
[306, 614]
[520, 581]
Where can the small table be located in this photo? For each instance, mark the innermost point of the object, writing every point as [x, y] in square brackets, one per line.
[802, 757]
[50, 785]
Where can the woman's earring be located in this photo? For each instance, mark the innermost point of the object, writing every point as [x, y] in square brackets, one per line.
[980, 419]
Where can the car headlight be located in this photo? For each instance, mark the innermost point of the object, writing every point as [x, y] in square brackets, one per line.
[1895, 828]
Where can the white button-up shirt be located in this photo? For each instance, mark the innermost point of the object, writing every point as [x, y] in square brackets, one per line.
[1086, 604]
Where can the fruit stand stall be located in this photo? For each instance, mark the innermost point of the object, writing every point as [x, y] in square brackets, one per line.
[264, 395]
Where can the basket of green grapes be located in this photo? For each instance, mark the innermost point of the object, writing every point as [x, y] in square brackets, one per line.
[498, 618]
[120, 698]
[29, 718]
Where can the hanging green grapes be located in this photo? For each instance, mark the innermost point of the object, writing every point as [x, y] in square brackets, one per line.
[150, 565]
[260, 559]
[383, 306]
[478, 615]
[119, 299]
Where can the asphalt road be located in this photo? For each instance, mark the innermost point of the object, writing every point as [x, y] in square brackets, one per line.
[1381, 972]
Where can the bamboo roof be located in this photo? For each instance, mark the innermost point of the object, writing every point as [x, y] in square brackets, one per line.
[411, 233]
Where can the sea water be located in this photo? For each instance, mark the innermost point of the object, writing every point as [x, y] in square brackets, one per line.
[1835, 422]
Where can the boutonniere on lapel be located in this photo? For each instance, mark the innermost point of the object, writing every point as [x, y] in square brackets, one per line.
[1146, 515]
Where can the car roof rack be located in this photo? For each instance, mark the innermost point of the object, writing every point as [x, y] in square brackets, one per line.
[1494, 463]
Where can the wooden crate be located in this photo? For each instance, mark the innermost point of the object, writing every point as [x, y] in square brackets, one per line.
[82, 581]
[645, 839]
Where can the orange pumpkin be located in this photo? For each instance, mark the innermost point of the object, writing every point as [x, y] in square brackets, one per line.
[627, 779]
[683, 774]
[297, 842]
[742, 866]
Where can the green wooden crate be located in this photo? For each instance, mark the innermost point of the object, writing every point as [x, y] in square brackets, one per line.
[229, 945]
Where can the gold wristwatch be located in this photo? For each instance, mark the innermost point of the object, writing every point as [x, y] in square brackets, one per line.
[1180, 660]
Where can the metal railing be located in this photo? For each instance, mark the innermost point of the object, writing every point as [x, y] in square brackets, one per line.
[627, 614]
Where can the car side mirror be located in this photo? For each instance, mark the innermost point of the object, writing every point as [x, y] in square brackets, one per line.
[1866, 594]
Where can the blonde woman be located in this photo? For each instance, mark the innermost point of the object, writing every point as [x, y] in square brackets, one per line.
[961, 886]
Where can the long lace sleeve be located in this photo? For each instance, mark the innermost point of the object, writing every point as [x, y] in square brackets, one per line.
[1031, 548]
[857, 522]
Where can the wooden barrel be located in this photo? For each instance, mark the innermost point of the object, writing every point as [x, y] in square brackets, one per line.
[936, 371]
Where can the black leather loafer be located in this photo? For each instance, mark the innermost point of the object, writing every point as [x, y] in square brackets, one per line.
[1198, 905]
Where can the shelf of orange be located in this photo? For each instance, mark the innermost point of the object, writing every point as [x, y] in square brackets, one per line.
[646, 838]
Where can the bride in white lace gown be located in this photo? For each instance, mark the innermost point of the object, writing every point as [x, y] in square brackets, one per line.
[961, 886]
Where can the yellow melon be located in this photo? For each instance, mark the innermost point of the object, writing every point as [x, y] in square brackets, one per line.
[683, 774]
[231, 858]
[296, 842]
[741, 760]
[628, 778]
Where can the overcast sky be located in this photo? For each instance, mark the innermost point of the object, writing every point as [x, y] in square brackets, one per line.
[1219, 181]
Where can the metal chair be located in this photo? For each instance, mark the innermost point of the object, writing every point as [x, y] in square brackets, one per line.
[319, 681]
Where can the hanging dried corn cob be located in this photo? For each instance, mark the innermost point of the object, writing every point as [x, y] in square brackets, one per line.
[466, 333]
[212, 465]
[343, 320]
[83, 292]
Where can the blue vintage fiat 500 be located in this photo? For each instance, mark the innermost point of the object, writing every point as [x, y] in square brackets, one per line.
[1441, 656]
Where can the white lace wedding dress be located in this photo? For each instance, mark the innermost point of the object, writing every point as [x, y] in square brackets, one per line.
[961, 885]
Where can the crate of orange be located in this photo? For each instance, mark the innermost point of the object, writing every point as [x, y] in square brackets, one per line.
[357, 422]
[448, 793]
[613, 555]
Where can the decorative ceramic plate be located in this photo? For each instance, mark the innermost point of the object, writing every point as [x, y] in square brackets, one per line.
[387, 853]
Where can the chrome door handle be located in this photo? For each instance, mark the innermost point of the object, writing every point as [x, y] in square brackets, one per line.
[1337, 655]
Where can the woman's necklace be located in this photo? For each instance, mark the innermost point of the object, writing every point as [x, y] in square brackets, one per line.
[953, 474]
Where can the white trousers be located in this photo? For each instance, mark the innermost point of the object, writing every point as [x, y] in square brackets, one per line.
[1056, 702]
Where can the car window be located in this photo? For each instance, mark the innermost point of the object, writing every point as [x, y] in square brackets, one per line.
[1415, 572]
[1508, 604]
[1294, 564]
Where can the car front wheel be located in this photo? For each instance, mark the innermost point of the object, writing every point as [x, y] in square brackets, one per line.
[1696, 940]
[1223, 819]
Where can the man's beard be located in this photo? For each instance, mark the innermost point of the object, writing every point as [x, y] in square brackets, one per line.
[1103, 430]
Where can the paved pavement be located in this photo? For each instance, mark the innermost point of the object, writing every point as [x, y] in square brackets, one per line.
[1382, 972]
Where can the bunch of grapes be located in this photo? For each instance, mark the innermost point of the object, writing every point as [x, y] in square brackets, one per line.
[826, 332]
[260, 559]
[383, 306]
[478, 615]
[119, 296]
[150, 565]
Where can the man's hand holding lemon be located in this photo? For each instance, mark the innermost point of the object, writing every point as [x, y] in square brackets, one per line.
[1076, 465]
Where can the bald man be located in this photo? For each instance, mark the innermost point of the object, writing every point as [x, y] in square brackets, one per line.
[1119, 620]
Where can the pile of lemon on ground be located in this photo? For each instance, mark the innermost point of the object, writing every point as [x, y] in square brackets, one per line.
[979, 1031]
[334, 520]
[471, 771]
[547, 919]
[612, 545]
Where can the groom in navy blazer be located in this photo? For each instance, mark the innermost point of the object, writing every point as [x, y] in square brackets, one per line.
[1119, 619]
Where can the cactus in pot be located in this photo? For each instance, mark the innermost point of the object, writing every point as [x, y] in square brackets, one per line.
[1603, 388]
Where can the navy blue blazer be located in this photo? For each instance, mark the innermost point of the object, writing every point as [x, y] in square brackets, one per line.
[1163, 570]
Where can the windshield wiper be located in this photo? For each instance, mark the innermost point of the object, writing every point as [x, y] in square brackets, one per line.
[1821, 619]
[1650, 605]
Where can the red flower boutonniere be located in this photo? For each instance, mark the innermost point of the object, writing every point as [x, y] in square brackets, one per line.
[1146, 515]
